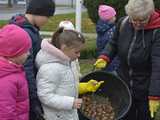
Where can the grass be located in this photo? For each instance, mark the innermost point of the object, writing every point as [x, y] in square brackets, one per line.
[86, 65]
[89, 51]
[90, 42]
[87, 25]
[3, 22]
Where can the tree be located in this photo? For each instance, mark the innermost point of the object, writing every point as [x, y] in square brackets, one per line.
[92, 7]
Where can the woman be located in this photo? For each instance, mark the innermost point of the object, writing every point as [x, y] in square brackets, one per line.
[137, 44]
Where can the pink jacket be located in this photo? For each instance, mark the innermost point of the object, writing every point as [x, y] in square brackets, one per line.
[14, 98]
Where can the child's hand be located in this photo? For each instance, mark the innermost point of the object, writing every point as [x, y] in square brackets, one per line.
[93, 85]
[90, 86]
[77, 103]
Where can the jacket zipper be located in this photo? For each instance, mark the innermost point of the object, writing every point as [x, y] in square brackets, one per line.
[75, 85]
[129, 56]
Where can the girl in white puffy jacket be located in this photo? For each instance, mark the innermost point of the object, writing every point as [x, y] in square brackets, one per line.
[57, 80]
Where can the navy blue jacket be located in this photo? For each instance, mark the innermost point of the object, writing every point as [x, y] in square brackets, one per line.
[139, 57]
[105, 32]
[29, 66]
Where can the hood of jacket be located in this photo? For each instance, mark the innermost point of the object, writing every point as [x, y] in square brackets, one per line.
[103, 26]
[50, 54]
[8, 68]
[22, 21]
[154, 21]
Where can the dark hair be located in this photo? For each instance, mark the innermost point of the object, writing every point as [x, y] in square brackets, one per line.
[41, 7]
[67, 37]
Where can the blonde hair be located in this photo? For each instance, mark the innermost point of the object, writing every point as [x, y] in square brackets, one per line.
[139, 8]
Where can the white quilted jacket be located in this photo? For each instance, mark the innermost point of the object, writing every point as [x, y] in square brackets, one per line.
[57, 86]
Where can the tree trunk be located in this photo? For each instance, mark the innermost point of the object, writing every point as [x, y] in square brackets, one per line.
[10, 3]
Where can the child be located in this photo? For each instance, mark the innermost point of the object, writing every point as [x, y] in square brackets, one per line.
[67, 25]
[105, 29]
[37, 14]
[57, 81]
[14, 50]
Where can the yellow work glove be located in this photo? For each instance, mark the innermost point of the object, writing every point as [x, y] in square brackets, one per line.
[90, 86]
[100, 63]
[153, 106]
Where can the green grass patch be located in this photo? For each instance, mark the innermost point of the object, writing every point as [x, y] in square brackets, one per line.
[86, 65]
[87, 58]
[89, 51]
[3, 22]
[87, 25]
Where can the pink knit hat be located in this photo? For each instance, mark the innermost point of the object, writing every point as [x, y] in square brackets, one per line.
[14, 41]
[106, 12]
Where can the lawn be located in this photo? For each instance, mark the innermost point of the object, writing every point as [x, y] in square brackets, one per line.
[3, 22]
[86, 65]
[87, 25]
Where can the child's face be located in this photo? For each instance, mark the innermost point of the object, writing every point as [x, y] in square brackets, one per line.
[20, 59]
[40, 20]
[112, 20]
[73, 52]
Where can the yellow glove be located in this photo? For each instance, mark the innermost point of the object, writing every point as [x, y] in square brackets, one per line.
[100, 63]
[153, 106]
[90, 86]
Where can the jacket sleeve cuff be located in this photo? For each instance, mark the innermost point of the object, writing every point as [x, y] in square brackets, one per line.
[104, 57]
[68, 102]
[153, 97]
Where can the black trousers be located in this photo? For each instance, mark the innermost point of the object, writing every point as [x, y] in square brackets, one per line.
[138, 111]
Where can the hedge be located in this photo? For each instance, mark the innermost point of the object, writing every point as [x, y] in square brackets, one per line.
[92, 7]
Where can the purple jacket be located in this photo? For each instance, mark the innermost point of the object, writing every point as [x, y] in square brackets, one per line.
[14, 99]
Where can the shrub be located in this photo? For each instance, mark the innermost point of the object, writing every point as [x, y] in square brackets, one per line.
[89, 50]
[92, 7]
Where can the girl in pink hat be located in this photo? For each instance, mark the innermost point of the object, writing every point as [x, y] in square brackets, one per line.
[14, 50]
[105, 28]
